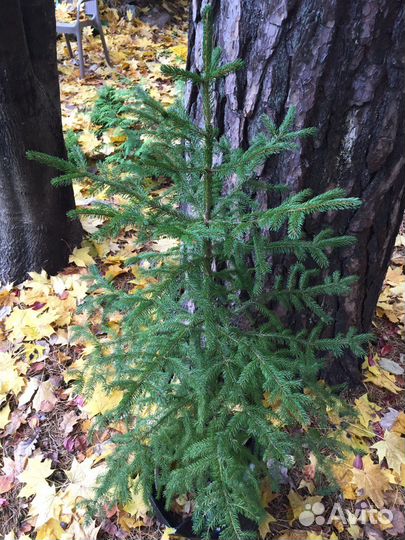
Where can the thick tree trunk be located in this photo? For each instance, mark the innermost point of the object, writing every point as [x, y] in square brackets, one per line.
[341, 63]
[34, 230]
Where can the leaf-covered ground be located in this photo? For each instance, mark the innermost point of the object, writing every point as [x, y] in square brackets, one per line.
[49, 463]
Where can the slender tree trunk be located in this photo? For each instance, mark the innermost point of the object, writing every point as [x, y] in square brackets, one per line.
[34, 230]
[341, 63]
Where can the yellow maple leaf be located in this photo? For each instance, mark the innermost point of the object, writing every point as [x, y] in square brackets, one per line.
[360, 431]
[101, 402]
[46, 505]
[164, 244]
[386, 381]
[10, 378]
[399, 426]
[344, 477]
[167, 532]
[392, 448]
[180, 51]
[264, 527]
[29, 324]
[88, 141]
[115, 270]
[36, 289]
[401, 476]
[298, 534]
[367, 410]
[136, 506]
[372, 481]
[353, 529]
[51, 530]
[63, 309]
[34, 475]
[83, 478]
[77, 287]
[79, 529]
[127, 523]
[81, 257]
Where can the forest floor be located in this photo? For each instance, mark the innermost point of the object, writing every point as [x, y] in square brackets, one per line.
[48, 462]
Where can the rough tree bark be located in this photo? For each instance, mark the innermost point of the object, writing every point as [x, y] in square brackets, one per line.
[341, 63]
[34, 230]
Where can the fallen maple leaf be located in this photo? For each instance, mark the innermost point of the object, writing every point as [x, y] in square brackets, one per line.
[89, 142]
[392, 448]
[136, 506]
[51, 530]
[83, 478]
[10, 379]
[399, 425]
[372, 482]
[81, 257]
[30, 324]
[383, 379]
[101, 402]
[264, 528]
[367, 410]
[6, 483]
[34, 475]
[70, 419]
[167, 532]
[44, 399]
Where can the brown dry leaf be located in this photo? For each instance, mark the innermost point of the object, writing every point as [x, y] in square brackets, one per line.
[310, 470]
[44, 399]
[70, 419]
[6, 483]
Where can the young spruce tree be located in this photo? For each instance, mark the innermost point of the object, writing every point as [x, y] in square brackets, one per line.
[216, 387]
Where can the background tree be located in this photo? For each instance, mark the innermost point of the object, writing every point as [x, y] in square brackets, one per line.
[341, 63]
[34, 230]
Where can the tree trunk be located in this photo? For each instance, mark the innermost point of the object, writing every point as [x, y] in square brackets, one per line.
[341, 63]
[34, 230]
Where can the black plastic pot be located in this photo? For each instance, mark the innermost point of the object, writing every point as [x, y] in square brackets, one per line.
[184, 527]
